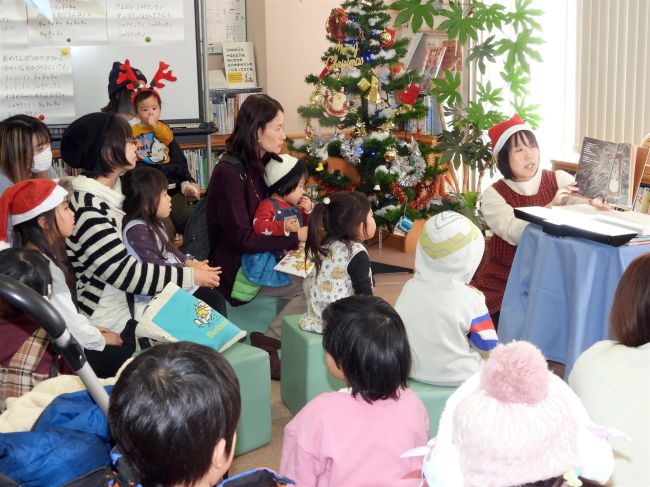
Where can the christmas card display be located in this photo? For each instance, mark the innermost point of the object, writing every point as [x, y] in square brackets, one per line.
[610, 170]
[239, 64]
[294, 263]
[176, 315]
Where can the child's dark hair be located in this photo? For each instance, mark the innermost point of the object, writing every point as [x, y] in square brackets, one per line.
[256, 111]
[142, 189]
[113, 150]
[170, 408]
[120, 103]
[30, 233]
[366, 338]
[629, 317]
[287, 183]
[17, 136]
[27, 266]
[336, 218]
[145, 95]
[525, 137]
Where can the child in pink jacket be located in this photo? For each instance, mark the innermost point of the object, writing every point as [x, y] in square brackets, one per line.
[355, 437]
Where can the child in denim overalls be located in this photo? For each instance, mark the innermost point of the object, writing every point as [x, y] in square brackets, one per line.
[286, 211]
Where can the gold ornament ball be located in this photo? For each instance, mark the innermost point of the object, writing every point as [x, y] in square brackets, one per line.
[385, 37]
[390, 155]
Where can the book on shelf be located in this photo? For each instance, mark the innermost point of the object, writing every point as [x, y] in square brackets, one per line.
[610, 170]
[606, 226]
[431, 66]
[239, 64]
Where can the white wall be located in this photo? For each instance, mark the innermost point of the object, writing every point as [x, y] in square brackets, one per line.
[289, 37]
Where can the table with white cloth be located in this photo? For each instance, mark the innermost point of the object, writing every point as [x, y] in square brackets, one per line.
[560, 291]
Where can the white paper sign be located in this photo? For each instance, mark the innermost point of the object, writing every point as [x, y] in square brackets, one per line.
[239, 64]
[37, 82]
[226, 22]
[13, 24]
[76, 23]
[145, 21]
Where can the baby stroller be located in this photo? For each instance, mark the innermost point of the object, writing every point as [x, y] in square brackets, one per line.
[111, 469]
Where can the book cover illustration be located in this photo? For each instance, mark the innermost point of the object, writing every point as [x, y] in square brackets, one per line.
[177, 315]
[294, 263]
[431, 66]
[607, 169]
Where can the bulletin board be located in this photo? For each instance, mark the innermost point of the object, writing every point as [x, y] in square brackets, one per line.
[226, 21]
[58, 70]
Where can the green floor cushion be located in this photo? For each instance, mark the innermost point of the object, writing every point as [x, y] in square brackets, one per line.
[256, 315]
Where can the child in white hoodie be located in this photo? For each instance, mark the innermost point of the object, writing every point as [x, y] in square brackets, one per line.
[447, 321]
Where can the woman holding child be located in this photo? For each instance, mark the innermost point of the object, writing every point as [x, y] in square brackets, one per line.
[236, 189]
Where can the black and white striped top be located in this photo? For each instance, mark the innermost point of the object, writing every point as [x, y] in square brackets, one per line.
[98, 257]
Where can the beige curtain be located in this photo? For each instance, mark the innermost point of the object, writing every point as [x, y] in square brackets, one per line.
[613, 70]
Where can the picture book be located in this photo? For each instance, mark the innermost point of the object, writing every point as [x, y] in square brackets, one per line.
[294, 263]
[610, 170]
[176, 315]
[431, 66]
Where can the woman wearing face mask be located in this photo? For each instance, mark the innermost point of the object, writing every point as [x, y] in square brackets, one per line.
[25, 151]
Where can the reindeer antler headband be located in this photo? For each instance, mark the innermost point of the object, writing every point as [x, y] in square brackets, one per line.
[137, 86]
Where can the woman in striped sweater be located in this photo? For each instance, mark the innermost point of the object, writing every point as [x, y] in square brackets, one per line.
[101, 145]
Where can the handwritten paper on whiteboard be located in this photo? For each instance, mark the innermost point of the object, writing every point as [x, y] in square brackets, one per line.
[145, 21]
[226, 23]
[37, 82]
[13, 24]
[76, 23]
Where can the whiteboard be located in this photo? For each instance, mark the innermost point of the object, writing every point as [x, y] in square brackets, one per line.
[182, 100]
[226, 22]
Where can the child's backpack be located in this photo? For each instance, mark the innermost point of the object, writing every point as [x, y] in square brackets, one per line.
[195, 238]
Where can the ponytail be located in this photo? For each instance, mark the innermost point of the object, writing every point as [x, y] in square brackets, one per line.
[336, 218]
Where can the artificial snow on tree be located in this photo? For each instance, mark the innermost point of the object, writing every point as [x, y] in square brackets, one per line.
[364, 87]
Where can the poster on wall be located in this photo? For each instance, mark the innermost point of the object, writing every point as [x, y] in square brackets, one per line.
[144, 22]
[75, 23]
[13, 24]
[37, 82]
[226, 21]
[239, 64]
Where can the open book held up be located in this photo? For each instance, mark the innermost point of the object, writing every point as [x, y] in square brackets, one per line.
[585, 221]
[294, 263]
[610, 170]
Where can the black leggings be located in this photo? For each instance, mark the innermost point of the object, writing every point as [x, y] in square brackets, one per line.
[212, 298]
[107, 362]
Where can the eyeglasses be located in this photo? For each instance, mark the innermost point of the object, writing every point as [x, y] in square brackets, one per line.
[131, 140]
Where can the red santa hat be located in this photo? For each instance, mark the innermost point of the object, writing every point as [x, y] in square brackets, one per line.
[501, 132]
[26, 200]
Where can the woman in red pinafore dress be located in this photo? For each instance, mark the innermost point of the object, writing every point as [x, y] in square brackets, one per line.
[515, 147]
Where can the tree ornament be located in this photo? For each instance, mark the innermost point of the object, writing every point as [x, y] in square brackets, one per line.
[337, 104]
[387, 126]
[373, 95]
[320, 166]
[336, 24]
[410, 95]
[387, 38]
[309, 131]
[390, 155]
[359, 129]
[316, 99]
[363, 84]
[397, 68]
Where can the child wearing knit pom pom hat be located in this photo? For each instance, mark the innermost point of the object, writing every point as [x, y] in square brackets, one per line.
[515, 423]
[524, 183]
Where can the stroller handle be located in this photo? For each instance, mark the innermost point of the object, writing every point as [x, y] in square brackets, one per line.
[41, 310]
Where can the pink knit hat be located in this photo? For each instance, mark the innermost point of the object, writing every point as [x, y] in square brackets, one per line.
[501, 132]
[515, 422]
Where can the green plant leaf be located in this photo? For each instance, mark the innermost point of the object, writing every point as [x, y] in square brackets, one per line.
[458, 25]
[517, 78]
[518, 51]
[446, 90]
[523, 17]
[486, 94]
[482, 52]
[411, 10]
[490, 17]
[527, 112]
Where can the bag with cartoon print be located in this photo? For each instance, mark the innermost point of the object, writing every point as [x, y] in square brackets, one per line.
[176, 315]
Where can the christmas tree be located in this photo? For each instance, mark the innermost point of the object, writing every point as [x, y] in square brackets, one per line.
[363, 86]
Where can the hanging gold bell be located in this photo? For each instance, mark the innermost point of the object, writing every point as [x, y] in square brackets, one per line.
[359, 130]
[316, 99]
[390, 155]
